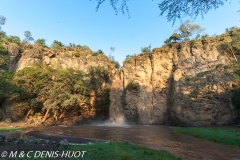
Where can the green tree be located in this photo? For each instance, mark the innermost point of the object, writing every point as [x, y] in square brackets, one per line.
[205, 36]
[41, 42]
[57, 45]
[175, 37]
[173, 9]
[146, 49]
[187, 30]
[97, 76]
[14, 39]
[234, 45]
[52, 90]
[167, 41]
[2, 21]
[28, 37]
[116, 64]
[4, 59]
[100, 52]
[111, 57]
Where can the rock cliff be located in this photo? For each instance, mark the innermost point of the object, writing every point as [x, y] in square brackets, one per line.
[68, 57]
[87, 70]
[183, 83]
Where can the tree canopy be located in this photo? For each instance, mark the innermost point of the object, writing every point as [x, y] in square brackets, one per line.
[28, 36]
[2, 20]
[174, 9]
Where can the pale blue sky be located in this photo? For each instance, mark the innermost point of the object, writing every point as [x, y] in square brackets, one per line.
[75, 21]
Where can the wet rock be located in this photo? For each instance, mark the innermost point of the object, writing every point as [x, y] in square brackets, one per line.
[2, 138]
[9, 139]
[19, 141]
[42, 141]
[31, 141]
[64, 142]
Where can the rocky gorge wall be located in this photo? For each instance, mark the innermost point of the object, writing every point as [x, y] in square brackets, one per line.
[183, 84]
[30, 55]
[187, 84]
[96, 69]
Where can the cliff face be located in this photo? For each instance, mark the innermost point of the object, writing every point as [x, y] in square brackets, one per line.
[183, 84]
[76, 58]
[88, 90]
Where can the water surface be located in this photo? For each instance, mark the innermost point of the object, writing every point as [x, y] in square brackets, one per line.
[156, 137]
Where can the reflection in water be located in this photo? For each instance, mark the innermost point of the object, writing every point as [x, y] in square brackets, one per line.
[156, 137]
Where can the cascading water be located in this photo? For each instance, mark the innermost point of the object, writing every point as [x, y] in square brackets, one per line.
[116, 113]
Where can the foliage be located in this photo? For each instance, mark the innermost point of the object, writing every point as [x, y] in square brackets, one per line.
[99, 52]
[228, 136]
[103, 102]
[57, 45]
[2, 20]
[7, 88]
[116, 64]
[167, 41]
[175, 37]
[52, 89]
[14, 39]
[146, 49]
[2, 34]
[41, 42]
[128, 57]
[4, 59]
[235, 43]
[187, 30]
[97, 77]
[72, 45]
[236, 98]
[204, 36]
[173, 9]
[77, 54]
[133, 86]
[198, 36]
[84, 47]
[28, 37]
[177, 10]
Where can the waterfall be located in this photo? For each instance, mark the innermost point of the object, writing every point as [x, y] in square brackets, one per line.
[116, 113]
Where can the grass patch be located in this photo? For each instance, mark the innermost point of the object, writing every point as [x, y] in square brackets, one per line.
[6, 129]
[229, 136]
[121, 151]
[111, 151]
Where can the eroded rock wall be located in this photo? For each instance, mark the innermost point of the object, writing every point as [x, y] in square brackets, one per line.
[63, 58]
[182, 84]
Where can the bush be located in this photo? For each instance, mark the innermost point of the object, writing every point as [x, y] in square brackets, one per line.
[236, 98]
[77, 54]
[99, 52]
[145, 49]
[133, 86]
[41, 42]
[128, 57]
[14, 39]
[4, 59]
[57, 45]
[116, 64]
